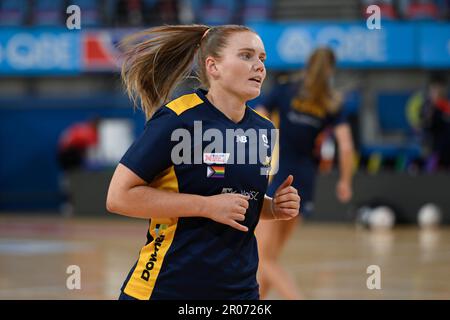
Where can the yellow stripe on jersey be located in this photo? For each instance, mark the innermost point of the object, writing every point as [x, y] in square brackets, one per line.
[167, 180]
[259, 114]
[142, 281]
[184, 103]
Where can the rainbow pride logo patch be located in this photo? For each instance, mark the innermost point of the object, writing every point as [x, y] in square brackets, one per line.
[215, 171]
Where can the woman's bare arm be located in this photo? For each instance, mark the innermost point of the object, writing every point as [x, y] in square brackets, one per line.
[346, 157]
[131, 196]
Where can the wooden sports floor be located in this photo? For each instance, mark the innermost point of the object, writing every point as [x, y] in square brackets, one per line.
[327, 261]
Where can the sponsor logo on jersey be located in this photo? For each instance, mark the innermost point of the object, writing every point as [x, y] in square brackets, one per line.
[252, 194]
[215, 171]
[215, 158]
[241, 139]
[153, 259]
[265, 140]
[160, 227]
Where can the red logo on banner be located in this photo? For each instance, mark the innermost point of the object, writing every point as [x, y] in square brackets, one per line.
[99, 52]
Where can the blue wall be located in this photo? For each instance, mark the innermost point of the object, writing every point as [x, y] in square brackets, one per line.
[29, 132]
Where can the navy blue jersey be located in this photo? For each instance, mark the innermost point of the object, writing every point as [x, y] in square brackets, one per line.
[300, 124]
[194, 257]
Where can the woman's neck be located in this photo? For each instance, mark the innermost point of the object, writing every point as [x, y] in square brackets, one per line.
[230, 105]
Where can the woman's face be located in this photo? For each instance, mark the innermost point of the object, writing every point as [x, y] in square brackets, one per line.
[240, 69]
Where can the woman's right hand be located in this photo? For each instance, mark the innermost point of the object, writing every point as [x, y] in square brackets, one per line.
[227, 208]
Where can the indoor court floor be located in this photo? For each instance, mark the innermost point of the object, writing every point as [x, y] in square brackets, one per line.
[327, 261]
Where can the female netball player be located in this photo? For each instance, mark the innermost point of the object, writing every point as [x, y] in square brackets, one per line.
[305, 108]
[202, 214]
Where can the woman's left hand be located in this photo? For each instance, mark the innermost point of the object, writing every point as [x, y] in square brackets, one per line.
[286, 201]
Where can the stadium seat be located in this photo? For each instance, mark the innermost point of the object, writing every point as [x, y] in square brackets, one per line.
[13, 12]
[90, 12]
[422, 10]
[256, 11]
[49, 12]
[217, 12]
[109, 11]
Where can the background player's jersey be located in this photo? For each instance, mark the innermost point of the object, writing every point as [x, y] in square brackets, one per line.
[193, 257]
[299, 123]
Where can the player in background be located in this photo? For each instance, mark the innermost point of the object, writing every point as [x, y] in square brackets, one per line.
[305, 107]
[435, 122]
[75, 144]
